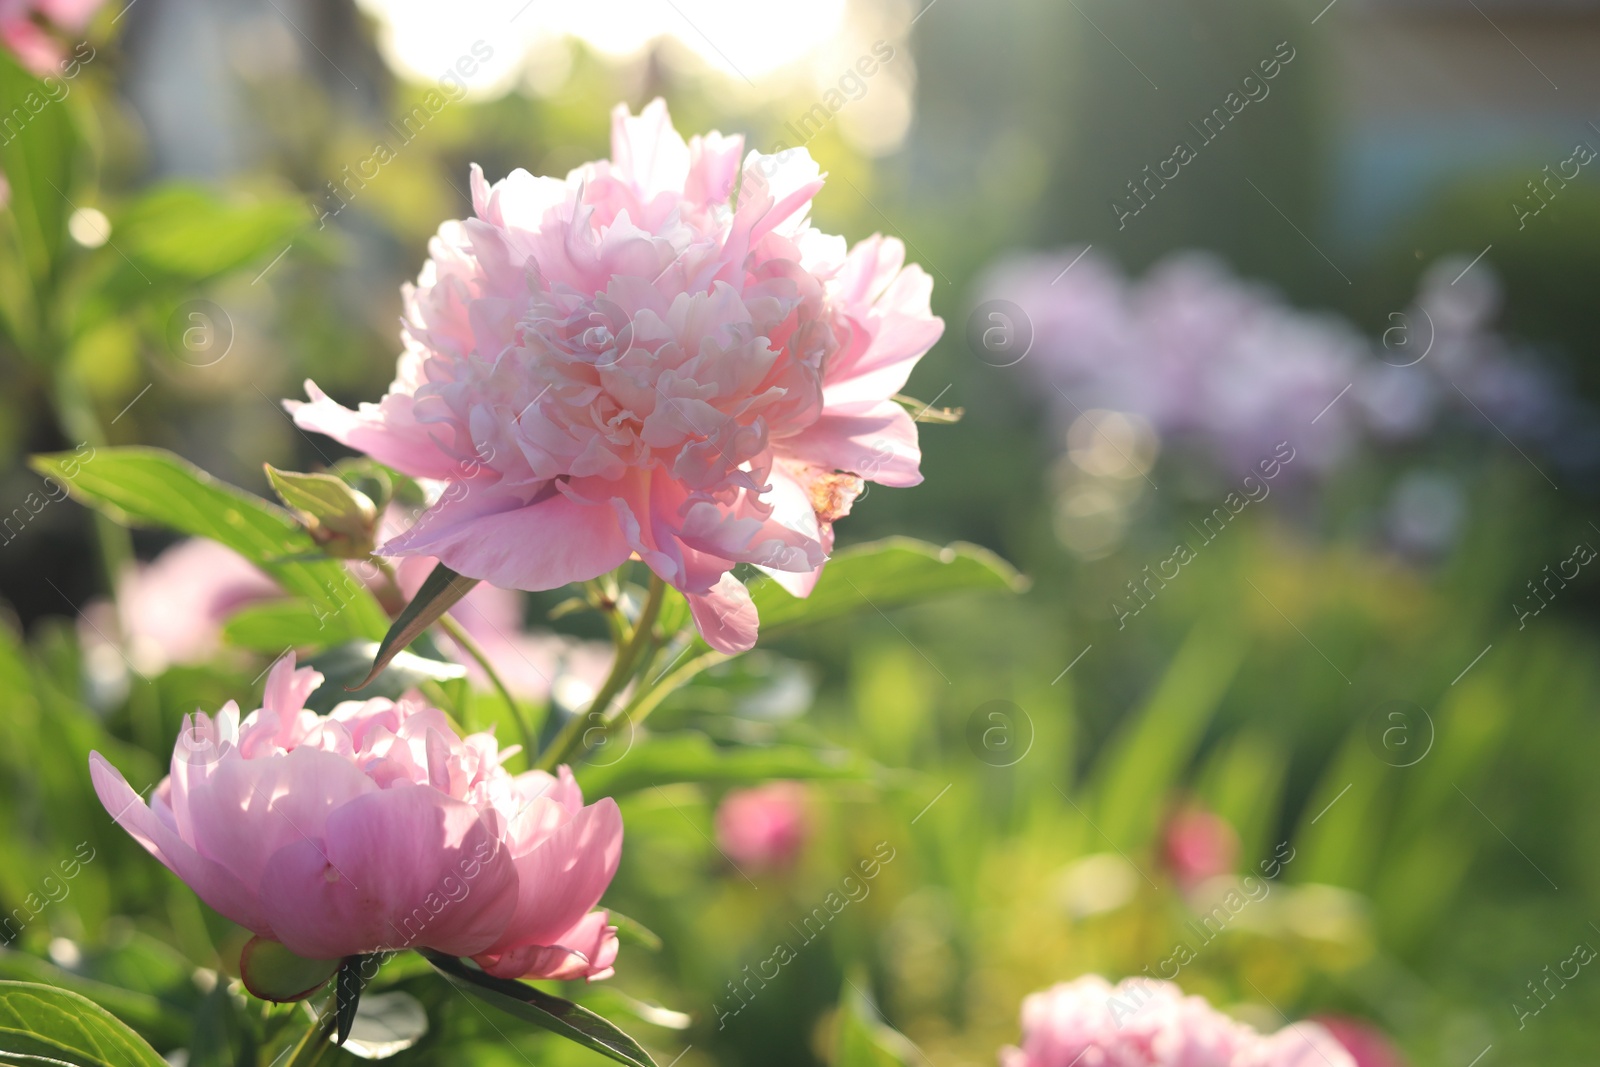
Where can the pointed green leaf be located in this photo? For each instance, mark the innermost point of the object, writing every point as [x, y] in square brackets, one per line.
[150, 485]
[865, 1040]
[535, 1006]
[690, 756]
[294, 622]
[634, 932]
[347, 987]
[42, 1024]
[439, 593]
[886, 574]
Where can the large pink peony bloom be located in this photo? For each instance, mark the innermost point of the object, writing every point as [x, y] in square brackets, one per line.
[1145, 1023]
[634, 361]
[377, 827]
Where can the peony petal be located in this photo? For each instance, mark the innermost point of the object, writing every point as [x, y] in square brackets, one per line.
[726, 616]
[878, 444]
[211, 881]
[500, 539]
[387, 431]
[398, 868]
[563, 878]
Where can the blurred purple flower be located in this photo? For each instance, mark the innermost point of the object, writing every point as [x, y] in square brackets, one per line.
[1197, 352]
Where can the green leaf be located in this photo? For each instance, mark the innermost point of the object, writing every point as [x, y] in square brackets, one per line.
[55, 1026]
[552, 1013]
[865, 1040]
[342, 665]
[690, 756]
[142, 1010]
[347, 989]
[438, 595]
[1146, 759]
[885, 574]
[150, 485]
[294, 622]
[176, 237]
[339, 517]
[634, 932]
[38, 160]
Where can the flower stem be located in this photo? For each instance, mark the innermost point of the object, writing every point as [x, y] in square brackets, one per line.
[459, 635]
[314, 1042]
[629, 656]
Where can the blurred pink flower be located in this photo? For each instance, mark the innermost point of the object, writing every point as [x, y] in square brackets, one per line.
[1145, 1023]
[627, 363]
[370, 829]
[1366, 1043]
[171, 610]
[26, 25]
[765, 827]
[1198, 845]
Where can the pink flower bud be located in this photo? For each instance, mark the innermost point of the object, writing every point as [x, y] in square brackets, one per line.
[765, 827]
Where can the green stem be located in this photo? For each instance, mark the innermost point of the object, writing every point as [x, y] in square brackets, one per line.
[623, 668]
[650, 699]
[77, 417]
[314, 1042]
[459, 635]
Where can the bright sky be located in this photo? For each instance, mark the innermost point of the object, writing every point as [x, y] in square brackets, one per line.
[750, 39]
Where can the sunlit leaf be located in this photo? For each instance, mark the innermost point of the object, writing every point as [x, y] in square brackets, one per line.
[439, 593]
[152, 486]
[44, 1025]
[690, 756]
[881, 575]
[559, 1016]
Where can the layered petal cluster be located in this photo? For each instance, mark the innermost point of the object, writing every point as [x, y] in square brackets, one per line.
[378, 828]
[1144, 1023]
[657, 357]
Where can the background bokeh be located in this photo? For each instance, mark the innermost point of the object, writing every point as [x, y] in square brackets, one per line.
[1369, 668]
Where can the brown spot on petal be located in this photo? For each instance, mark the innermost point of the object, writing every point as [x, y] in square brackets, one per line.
[833, 493]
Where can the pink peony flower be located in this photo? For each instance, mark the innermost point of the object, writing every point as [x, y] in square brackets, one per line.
[629, 364]
[25, 27]
[1144, 1023]
[171, 610]
[1199, 844]
[1366, 1043]
[377, 827]
[765, 827]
